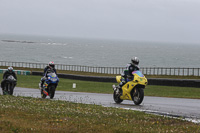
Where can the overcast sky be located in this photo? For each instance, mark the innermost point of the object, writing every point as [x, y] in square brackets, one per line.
[143, 20]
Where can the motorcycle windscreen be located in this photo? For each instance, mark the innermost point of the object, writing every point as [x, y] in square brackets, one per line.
[52, 75]
[10, 77]
[138, 73]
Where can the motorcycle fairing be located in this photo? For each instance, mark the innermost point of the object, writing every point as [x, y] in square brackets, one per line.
[126, 89]
[139, 79]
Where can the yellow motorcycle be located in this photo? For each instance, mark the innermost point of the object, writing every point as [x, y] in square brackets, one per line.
[132, 90]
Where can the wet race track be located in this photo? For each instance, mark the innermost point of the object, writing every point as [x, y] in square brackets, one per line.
[175, 107]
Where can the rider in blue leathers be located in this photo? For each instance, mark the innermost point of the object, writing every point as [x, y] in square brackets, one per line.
[47, 69]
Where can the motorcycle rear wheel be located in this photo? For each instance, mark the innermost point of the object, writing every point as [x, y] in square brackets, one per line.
[43, 95]
[5, 91]
[8, 89]
[137, 95]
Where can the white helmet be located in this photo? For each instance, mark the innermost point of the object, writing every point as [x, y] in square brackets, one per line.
[135, 61]
[51, 64]
[10, 69]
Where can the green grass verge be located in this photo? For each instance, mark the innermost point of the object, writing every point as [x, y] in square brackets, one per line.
[101, 87]
[22, 114]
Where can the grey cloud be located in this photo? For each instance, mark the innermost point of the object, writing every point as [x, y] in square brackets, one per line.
[145, 20]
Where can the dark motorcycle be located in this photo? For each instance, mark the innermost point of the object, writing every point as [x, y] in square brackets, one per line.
[49, 86]
[9, 85]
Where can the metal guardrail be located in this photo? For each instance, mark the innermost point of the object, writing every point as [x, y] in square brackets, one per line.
[174, 71]
[18, 72]
[151, 81]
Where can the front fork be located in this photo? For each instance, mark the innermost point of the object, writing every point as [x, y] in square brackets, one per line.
[135, 92]
[117, 89]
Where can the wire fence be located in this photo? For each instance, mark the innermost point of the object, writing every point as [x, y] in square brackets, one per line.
[109, 70]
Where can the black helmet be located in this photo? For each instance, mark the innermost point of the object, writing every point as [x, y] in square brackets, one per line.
[51, 64]
[135, 61]
[10, 69]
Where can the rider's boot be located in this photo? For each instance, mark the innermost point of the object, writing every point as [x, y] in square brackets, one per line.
[41, 85]
[42, 82]
[118, 88]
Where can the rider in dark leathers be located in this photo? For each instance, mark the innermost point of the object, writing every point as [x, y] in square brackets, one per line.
[6, 74]
[127, 73]
[47, 69]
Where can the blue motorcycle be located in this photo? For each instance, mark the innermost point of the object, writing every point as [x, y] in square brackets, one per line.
[49, 86]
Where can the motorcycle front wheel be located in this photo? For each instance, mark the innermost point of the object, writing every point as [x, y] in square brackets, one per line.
[116, 97]
[52, 91]
[137, 95]
[10, 88]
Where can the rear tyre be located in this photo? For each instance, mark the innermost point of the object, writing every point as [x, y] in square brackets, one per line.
[116, 97]
[43, 95]
[4, 90]
[137, 95]
[7, 89]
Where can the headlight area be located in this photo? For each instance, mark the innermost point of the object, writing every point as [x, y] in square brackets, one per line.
[54, 79]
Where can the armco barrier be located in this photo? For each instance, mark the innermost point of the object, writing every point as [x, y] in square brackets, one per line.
[175, 82]
[18, 72]
[80, 77]
[174, 71]
[151, 81]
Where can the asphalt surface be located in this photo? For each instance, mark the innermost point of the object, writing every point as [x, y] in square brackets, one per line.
[175, 107]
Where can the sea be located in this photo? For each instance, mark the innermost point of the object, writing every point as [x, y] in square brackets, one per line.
[97, 52]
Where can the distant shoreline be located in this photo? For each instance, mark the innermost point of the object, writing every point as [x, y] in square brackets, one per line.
[17, 41]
